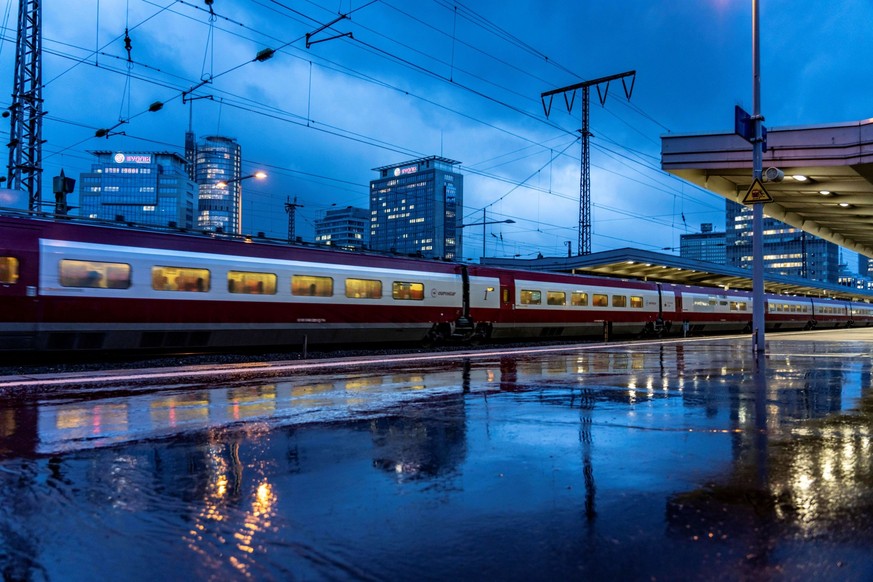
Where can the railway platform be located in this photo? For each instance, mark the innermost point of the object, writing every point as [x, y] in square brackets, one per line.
[679, 459]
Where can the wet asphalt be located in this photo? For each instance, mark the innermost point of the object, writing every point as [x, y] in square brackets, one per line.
[685, 459]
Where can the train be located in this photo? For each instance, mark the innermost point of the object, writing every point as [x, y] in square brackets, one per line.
[69, 285]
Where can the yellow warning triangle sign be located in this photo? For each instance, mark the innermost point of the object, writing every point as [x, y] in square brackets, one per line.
[757, 194]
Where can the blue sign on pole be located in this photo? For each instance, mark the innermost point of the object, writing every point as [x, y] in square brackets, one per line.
[744, 127]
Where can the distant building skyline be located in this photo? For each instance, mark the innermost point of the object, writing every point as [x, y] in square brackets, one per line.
[414, 208]
[787, 250]
[345, 228]
[707, 245]
[218, 174]
[143, 187]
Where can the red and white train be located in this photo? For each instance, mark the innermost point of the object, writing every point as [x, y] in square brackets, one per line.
[74, 286]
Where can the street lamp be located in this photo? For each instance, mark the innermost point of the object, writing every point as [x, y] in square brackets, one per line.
[224, 204]
[483, 224]
[223, 183]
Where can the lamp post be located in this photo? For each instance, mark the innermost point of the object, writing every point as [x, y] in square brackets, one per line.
[758, 315]
[235, 196]
[224, 183]
[483, 224]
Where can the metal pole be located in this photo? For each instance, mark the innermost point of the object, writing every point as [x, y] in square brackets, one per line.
[483, 233]
[758, 209]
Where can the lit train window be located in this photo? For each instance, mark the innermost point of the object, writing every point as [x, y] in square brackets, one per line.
[180, 279]
[94, 274]
[556, 298]
[619, 301]
[529, 297]
[411, 291]
[579, 299]
[739, 306]
[251, 283]
[310, 286]
[363, 289]
[600, 300]
[8, 270]
[636, 302]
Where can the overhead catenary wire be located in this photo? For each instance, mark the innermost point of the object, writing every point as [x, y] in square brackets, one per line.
[338, 131]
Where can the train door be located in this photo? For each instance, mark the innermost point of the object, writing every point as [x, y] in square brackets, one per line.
[507, 298]
[507, 295]
[666, 306]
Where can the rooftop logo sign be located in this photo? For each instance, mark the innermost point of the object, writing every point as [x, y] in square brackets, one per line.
[406, 170]
[122, 158]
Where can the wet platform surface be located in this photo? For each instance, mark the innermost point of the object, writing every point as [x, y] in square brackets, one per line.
[675, 460]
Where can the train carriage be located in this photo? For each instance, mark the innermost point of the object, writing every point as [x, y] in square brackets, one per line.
[789, 313]
[84, 287]
[548, 305]
[68, 285]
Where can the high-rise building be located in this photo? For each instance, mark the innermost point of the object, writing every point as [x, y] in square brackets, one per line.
[414, 208]
[706, 245]
[220, 188]
[787, 250]
[142, 187]
[347, 228]
[863, 265]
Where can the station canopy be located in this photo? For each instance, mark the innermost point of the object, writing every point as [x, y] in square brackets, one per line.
[629, 263]
[827, 191]
[828, 185]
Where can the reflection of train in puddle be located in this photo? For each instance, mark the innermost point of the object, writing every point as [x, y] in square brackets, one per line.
[73, 423]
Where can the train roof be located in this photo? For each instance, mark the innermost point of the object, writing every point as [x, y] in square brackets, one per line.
[170, 238]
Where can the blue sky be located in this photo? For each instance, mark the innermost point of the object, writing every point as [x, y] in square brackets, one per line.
[457, 79]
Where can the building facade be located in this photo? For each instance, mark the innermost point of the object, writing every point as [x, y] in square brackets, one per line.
[787, 250]
[346, 228]
[142, 187]
[705, 246]
[217, 170]
[414, 208]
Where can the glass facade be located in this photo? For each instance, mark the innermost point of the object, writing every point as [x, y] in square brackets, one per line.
[217, 171]
[414, 208]
[347, 228]
[787, 250]
[142, 187]
[704, 246]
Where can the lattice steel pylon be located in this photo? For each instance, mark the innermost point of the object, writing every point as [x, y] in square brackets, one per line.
[291, 209]
[25, 128]
[584, 246]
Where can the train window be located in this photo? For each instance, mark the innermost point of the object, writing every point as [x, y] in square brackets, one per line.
[530, 297]
[579, 299]
[311, 286]
[636, 302]
[8, 270]
[251, 283]
[180, 279]
[407, 291]
[556, 298]
[739, 306]
[363, 289]
[600, 300]
[94, 274]
[619, 301]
